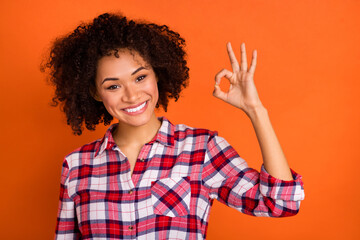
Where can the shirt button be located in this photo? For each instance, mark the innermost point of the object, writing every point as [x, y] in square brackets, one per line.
[131, 227]
[142, 160]
[130, 191]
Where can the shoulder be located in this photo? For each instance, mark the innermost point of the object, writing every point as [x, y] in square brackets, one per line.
[83, 154]
[183, 131]
[86, 153]
[204, 138]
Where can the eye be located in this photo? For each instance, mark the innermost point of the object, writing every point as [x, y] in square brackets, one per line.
[140, 78]
[112, 87]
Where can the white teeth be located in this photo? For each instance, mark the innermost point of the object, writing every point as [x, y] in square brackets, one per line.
[135, 109]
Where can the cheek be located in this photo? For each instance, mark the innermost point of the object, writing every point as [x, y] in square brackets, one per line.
[151, 89]
[109, 101]
[156, 92]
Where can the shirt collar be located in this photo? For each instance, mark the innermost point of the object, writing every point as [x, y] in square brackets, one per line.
[164, 136]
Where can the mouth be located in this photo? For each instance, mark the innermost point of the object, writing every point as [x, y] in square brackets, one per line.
[136, 109]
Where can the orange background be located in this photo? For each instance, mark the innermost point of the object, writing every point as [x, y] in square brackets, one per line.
[307, 77]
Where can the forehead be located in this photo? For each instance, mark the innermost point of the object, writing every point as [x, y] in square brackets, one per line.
[121, 62]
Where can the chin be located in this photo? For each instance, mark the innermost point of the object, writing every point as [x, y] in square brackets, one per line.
[137, 122]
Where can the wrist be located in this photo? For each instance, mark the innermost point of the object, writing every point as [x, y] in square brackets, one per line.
[256, 112]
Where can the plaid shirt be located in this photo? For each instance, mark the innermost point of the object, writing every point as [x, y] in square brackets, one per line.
[169, 195]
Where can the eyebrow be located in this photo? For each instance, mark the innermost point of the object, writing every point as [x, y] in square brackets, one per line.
[114, 79]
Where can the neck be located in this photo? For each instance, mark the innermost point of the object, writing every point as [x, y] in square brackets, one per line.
[136, 135]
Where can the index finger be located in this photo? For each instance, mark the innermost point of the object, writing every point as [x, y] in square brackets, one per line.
[233, 60]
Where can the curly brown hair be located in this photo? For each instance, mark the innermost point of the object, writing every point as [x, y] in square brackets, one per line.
[73, 61]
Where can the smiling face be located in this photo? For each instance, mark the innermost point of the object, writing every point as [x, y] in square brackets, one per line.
[127, 85]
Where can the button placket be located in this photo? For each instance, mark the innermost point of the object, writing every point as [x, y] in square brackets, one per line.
[132, 209]
[140, 164]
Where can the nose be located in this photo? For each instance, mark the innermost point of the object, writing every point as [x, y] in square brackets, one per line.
[130, 94]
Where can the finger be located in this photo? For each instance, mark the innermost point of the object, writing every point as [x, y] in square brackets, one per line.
[253, 62]
[218, 93]
[243, 58]
[217, 90]
[233, 60]
[223, 73]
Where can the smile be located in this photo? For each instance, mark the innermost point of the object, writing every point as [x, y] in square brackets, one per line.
[136, 109]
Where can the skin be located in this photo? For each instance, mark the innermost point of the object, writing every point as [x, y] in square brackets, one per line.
[242, 94]
[125, 82]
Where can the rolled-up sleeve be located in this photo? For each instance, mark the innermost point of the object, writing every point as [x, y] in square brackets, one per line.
[230, 180]
[66, 225]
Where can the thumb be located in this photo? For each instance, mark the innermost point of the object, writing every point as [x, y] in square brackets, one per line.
[218, 93]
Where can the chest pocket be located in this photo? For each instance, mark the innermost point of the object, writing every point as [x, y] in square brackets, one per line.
[171, 196]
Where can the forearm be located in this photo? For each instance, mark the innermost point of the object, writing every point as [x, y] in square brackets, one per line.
[274, 159]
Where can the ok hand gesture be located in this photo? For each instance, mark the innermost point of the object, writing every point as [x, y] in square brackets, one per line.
[242, 92]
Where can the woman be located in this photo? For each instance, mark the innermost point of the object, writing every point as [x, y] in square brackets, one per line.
[147, 178]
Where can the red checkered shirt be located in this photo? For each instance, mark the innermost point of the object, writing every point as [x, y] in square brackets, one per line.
[169, 195]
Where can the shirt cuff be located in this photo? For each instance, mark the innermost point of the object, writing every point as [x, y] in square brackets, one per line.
[278, 189]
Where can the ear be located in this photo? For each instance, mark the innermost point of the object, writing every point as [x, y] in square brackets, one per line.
[94, 94]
